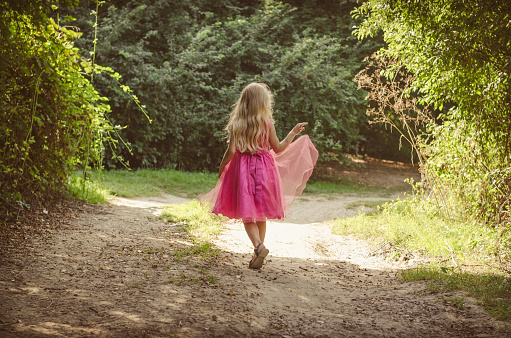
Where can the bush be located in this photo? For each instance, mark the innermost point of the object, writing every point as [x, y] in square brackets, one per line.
[467, 180]
[52, 118]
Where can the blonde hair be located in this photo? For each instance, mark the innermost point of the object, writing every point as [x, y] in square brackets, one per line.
[249, 119]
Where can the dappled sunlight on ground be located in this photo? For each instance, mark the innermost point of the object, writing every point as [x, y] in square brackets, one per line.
[119, 271]
[305, 241]
[156, 202]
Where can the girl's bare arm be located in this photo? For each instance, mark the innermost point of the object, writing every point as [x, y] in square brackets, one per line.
[228, 155]
[280, 146]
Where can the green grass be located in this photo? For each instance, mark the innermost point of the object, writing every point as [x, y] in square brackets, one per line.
[436, 236]
[195, 219]
[451, 246]
[491, 289]
[91, 191]
[146, 182]
[204, 250]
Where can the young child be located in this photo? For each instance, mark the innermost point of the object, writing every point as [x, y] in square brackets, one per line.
[257, 183]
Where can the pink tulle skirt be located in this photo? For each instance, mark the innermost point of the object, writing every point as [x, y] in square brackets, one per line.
[256, 187]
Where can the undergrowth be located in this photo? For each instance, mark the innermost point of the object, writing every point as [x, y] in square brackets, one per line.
[452, 247]
[436, 236]
[491, 289]
[194, 219]
[88, 190]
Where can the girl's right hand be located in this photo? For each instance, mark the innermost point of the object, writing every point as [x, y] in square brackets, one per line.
[299, 128]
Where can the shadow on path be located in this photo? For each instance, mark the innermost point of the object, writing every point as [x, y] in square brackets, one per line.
[115, 273]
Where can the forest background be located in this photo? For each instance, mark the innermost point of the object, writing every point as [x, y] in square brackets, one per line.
[150, 83]
[188, 61]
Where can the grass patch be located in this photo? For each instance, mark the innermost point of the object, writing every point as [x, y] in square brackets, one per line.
[194, 219]
[492, 290]
[204, 250]
[202, 278]
[146, 182]
[436, 236]
[134, 285]
[413, 228]
[369, 204]
[88, 190]
[457, 302]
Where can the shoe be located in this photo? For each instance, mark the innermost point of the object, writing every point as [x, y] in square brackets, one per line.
[258, 259]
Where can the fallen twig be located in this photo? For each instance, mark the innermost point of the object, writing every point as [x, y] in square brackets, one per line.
[93, 309]
[49, 305]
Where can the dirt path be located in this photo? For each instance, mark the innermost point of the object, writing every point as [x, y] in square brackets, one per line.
[113, 272]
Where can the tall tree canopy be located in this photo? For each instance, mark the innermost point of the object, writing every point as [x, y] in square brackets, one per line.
[188, 61]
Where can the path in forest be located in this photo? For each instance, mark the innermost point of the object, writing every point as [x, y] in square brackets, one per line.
[111, 273]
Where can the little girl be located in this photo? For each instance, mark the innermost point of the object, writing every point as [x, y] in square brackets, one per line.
[255, 183]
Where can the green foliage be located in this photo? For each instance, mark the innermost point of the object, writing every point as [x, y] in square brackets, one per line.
[52, 118]
[468, 182]
[459, 54]
[188, 61]
[469, 64]
[34, 12]
[195, 219]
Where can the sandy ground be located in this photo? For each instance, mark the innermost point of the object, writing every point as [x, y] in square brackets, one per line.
[112, 271]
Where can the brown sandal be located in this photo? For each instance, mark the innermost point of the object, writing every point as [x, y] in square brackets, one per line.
[257, 261]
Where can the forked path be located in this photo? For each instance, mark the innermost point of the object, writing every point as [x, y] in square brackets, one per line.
[119, 271]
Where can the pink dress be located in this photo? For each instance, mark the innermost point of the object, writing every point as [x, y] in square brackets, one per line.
[256, 187]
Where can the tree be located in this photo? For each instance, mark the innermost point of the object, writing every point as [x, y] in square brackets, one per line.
[187, 61]
[459, 53]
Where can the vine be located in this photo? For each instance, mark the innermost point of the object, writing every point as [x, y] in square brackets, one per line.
[106, 137]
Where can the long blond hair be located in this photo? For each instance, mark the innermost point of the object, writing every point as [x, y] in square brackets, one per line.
[248, 122]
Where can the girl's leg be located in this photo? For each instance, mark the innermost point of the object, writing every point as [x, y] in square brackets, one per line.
[262, 230]
[253, 233]
[256, 232]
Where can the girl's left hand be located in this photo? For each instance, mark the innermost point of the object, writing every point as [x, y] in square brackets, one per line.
[299, 128]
